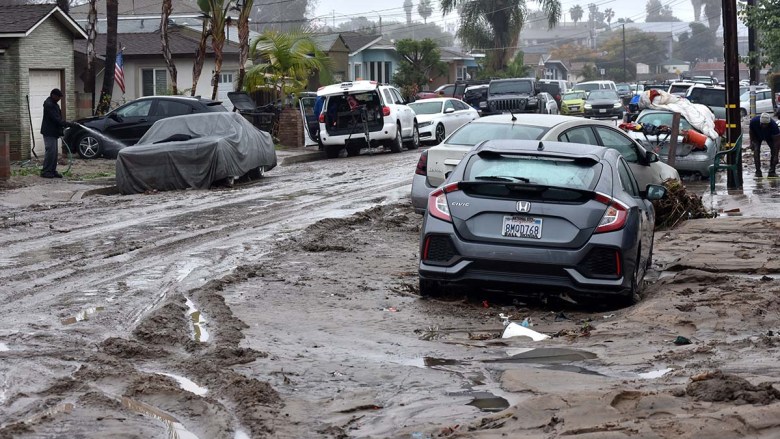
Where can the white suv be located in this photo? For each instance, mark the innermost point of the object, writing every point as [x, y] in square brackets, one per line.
[359, 111]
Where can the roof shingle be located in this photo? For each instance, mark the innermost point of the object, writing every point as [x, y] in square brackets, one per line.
[139, 44]
[21, 18]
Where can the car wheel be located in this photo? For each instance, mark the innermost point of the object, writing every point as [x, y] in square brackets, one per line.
[89, 146]
[415, 142]
[431, 288]
[256, 173]
[440, 134]
[332, 151]
[650, 255]
[631, 296]
[353, 150]
[397, 144]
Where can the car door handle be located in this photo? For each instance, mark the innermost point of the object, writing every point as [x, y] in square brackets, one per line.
[142, 120]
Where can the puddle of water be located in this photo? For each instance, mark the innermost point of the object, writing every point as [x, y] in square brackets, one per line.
[198, 322]
[240, 435]
[546, 356]
[186, 384]
[83, 315]
[4, 347]
[424, 362]
[175, 429]
[655, 373]
[485, 401]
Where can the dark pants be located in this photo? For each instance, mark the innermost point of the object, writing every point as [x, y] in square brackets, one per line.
[50, 156]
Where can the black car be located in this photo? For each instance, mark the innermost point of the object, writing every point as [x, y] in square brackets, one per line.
[127, 124]
[516, 95]
[603, 104]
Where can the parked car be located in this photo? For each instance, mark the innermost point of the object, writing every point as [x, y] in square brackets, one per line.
[352, 108]
[547, 103]
[679, 88]
[439, 161]
[624, 91]
[437, 117]
[563, 85]
[712, 96]
[604, 104]
[194, 151]
[517, 95]
[595, 85]
[539, 216]
[689, 157]
[553, 89]
[128, 123]
[763, 102]
[573, 103]
[476, 96]
[456, 90]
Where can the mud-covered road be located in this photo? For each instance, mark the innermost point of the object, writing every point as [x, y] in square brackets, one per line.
[288, 308]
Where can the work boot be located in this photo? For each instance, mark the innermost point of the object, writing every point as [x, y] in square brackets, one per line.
[759, 174]
[771, 174]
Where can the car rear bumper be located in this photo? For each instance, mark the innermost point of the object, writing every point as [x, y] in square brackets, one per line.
[387, 132]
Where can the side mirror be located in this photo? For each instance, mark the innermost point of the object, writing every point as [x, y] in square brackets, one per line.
[654, 192]
[449, 110]
[651, 157]
[115, 116]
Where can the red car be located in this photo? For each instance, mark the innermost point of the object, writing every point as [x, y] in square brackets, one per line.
[444, 91]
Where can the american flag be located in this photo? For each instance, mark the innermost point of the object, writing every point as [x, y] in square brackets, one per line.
[119, 72]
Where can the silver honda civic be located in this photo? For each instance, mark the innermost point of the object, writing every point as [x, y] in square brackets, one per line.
[537, 217]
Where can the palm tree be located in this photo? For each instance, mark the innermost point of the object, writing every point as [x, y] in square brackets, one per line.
[243, 41]
[89, 85]
[112, 17]
[167, 8]
[218, 14]
[425, 10]
[200, 54]
[576, 13]
[285, 62]
[495, 25]
[609, 14]
[408, 9]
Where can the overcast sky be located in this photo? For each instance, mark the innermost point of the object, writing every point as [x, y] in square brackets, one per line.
[392, 10]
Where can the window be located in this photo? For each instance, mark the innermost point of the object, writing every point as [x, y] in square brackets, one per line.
[627, 179]
[388, 97]
[615, 140]
[168, 108]
[135, 109]
[396, 95]
[448, 105]
[460, 73]
[154, 82]
[579, 135]
[460, 105]
[226, 78]
[357, 72]
[379, 71]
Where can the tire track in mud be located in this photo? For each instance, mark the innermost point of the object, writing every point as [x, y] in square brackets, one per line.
[154, 309]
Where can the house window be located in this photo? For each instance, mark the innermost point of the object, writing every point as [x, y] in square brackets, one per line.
[154, 82]
[226, 78]
[460, 73]
[358, 72]
[380, 71]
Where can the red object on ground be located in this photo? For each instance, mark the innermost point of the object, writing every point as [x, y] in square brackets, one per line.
[485, 304]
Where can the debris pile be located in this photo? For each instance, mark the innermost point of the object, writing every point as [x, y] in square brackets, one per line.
[678, 205]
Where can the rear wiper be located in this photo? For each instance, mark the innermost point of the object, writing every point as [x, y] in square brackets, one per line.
[502, 178]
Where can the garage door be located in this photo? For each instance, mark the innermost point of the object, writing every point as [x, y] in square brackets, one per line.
[41, 84]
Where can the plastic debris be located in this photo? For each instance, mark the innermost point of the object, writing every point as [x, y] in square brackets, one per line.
[526, 323]
[515, 330]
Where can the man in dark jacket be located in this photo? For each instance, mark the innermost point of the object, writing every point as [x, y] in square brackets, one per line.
[51, 128]
[764, 129]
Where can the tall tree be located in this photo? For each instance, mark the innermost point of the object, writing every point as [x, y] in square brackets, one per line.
[425, 10]
[112, 16]
[609, 14]
[658, 12]
[285, 61]
[576, 13]
[408, 6]
[700, 43]
[167, 8]
[89, 79]
[764, 18]
[200, 54]
[243, 41]
[218, 18]
[420, 61]
[495, 25]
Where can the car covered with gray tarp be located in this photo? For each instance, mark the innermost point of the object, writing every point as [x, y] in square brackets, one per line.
[194, 151]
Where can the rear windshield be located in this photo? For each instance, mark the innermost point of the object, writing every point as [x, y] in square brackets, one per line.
[426, 107]
[711, 97]
[473, 133]
[575, 95]
[534, 170]
[510, 87]
[553, 89]
[659, 119]
[587, 87]
[680, 88]
[623, 88]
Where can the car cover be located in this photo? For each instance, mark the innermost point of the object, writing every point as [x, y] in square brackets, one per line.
[698, 115]
[193, 151]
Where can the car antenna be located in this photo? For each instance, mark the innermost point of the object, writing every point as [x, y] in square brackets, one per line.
[540, 147]
[514, 119]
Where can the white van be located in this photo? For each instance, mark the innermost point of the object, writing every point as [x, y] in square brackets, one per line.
[595, 85]
[562, 84]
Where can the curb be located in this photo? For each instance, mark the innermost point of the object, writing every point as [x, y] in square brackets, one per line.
[303, 158]
[108, 190]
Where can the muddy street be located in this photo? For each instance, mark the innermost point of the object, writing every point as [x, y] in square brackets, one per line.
[289, 308]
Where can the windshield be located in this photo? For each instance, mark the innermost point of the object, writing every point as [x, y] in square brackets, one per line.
[602, 94]
[659, 119]
[533, 169]
[679, 88]
[572, 96]
[587, 87]
[426, 107]
[623, 88]
[473, 133]
[510, 87]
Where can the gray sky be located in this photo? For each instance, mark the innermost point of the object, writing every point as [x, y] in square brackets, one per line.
[392, 10]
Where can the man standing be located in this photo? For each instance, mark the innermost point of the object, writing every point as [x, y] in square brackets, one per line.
[764, 129]
[51, 128]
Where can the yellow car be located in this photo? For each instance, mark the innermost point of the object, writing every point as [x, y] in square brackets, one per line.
[573, 103]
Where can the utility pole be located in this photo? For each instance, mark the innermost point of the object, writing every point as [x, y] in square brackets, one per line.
[753, 68]
[625, 74]
[731, 56]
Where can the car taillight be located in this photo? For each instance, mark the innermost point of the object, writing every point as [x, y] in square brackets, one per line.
[422, 164]
[385, 111]
[437, 202]
[322, 118]
[614, 217]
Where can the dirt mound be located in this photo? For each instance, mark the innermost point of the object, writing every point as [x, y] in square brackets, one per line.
[719, 386]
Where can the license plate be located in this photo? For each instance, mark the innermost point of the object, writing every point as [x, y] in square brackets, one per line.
[602, 110]
[574, 108]
[522, 227]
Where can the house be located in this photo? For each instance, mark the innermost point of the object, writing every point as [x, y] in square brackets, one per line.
[544, 67]
[371, 57]
[36, 55]
[717, 70]
[139, 16]
[460, 67]
[334, 46]
[146, 72]
[676, 66]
